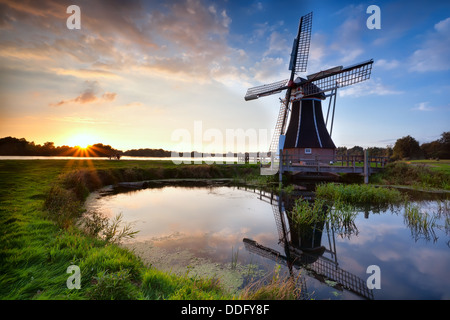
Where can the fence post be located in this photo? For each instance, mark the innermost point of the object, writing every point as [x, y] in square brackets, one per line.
[280, 177]
[366, 167]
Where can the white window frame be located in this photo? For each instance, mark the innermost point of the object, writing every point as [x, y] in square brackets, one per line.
[308, 151]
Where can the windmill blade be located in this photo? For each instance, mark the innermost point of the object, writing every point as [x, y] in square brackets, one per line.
[279, 127]
[337, 77]
[300, 48]
[265, 90]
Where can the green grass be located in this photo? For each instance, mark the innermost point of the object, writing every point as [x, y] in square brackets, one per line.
[40, 206]
[339, 215]
[360, 194]
[421, 174]
[434, 165]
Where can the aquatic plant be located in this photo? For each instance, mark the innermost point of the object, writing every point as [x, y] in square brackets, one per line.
[234, 258]
[340, 215]
[306, 213]
[273, 287]
[358, 194]
[421, 224]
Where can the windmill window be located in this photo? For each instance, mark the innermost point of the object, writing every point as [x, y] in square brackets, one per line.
[308, 151]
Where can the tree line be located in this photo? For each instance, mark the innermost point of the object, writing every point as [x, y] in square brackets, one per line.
[10, 146]
[404, 148]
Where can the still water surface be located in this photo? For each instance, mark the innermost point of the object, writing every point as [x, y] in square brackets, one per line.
[181, 226]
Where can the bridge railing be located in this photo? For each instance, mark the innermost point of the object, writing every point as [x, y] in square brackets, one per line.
[337, 160]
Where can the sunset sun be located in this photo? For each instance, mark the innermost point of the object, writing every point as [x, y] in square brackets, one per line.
[82, 140]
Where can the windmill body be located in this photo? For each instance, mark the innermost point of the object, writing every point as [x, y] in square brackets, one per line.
[301, 132]
[306, 136]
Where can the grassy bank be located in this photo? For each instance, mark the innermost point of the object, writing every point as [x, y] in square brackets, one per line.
[40, 201]
[420, 174]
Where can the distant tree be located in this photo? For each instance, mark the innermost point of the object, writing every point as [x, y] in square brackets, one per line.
[439, 148]
[102, 150]
[407, 148]
[341, 151]
[356, 151]
[388, 151]
[431, 149]
[148, 153]
[376, 152]
[445, 148]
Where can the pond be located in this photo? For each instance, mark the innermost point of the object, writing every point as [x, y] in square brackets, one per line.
[240, 235]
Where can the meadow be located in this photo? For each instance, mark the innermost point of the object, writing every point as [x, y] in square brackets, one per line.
[41, 204]
[41, 201]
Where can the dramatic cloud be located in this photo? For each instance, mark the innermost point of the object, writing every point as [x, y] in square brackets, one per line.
[186, 37]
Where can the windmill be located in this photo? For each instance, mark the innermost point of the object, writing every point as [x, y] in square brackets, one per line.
[306, 136]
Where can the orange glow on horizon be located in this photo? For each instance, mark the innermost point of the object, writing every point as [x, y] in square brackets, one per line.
[82, 140]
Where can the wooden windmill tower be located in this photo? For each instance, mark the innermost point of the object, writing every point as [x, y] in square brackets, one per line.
[306, 135]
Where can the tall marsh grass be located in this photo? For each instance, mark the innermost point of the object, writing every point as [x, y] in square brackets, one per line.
[358, 194]
[422, 224]
[273, 287]
[340, 215]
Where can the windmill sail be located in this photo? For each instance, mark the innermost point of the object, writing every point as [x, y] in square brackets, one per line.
[300, 50]
[337, 77]
[265, 90]
[302, 102]
[282, 115]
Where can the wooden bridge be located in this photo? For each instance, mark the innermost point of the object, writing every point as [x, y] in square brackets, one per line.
[364, 165]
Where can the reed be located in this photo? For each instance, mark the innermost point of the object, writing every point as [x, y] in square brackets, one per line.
[273, 287]
[421, 224]
[340, 215]
[358, 194]
[234, 258]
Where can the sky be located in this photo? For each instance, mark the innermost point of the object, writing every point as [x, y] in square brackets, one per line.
[173, 74]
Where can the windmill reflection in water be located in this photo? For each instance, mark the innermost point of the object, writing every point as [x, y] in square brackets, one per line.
[303, 250]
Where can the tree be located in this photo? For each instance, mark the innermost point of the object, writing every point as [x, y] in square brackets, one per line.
[445, 145]
[439, 148]
[407, 148]
[356, 151]
[431, 149]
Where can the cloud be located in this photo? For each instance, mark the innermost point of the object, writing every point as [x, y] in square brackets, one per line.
[369, 87]
[177, 38]
[387, 65]
[86, 73]
[434, 53]
[88, 95]
[269, 70]
[348, 35]
[277, 45]
[109, 96]
[75, 119]
[423, 106]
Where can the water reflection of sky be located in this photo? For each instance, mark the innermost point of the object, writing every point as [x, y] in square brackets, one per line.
[410, 268]
[211, 222]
